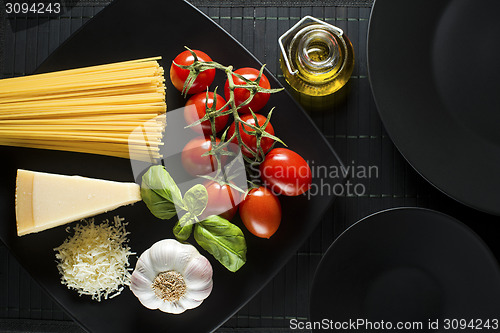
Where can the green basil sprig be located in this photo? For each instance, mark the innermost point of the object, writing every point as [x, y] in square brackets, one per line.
[218, 236]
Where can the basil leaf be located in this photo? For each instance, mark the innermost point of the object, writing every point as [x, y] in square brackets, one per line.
[196, 199]
[160, 208]
[223, 240]
[160, 193]
[182, 231]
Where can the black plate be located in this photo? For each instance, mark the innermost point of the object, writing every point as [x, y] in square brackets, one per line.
[434, 74]
[407, 265]
[126, 30]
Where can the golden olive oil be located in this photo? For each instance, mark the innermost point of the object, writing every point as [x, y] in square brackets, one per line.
[317, 59]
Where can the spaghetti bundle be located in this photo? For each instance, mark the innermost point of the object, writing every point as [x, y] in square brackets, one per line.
[116, 109]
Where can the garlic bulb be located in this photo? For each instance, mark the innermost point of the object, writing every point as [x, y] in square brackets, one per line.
[172, 277]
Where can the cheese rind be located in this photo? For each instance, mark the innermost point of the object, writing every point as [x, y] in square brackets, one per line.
[24, 200]
[45, 200]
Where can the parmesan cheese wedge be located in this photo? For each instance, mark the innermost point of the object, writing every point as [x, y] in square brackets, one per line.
[45, 200]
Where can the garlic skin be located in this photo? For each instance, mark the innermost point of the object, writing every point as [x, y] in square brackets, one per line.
[172, 277]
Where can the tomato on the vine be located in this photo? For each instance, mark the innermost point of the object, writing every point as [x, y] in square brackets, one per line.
[195, 109]
[193, 162]
[260, 212]
[223, 200]
[179, 75]
[251, 140]
[242, 94]
[285, 172]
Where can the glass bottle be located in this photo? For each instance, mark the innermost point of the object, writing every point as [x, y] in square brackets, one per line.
[317, 58]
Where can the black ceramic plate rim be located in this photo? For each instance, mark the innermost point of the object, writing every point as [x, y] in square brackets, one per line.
[400, 146]
[408, 209]
[382, 116]
[332, 152]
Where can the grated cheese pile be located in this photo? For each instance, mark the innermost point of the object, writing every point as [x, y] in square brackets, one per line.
[94, 261]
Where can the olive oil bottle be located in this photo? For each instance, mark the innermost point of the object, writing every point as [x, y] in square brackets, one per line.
[317, 58]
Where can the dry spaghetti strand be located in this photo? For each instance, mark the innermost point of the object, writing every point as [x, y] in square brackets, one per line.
[115, 109]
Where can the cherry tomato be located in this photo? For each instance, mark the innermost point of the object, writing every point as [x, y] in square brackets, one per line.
[193, 162]
[242, 94]
[251, 140]
[286, 172]
[223, 200]
[261, 212]
[196, 108]
[179, 75]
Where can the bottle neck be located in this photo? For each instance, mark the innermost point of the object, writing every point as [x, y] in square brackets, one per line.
[318, 50]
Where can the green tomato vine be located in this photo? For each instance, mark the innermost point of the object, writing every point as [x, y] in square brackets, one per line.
[219, 149]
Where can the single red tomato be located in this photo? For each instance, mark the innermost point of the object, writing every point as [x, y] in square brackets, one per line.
[223, 200]
[179, 75]
[285, 172]
[242, 94]
[251, 140]
[193, 162]
[261, 212]
[195, 109]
